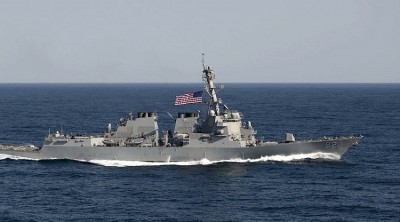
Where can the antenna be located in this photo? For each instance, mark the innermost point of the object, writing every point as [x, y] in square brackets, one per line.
[171, 116]
[202, 60]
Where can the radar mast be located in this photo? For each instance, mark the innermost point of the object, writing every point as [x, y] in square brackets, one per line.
[208, 77]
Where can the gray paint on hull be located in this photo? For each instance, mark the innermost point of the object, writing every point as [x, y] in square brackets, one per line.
[180, 154]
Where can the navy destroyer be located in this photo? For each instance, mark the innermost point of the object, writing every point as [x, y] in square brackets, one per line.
[221, 135]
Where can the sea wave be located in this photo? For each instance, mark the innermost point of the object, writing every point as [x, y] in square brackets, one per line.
[12, 157]
[276, 158]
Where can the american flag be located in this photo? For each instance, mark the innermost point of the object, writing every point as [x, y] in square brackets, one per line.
[189, 98]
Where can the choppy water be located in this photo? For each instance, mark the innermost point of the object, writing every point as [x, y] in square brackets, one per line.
[362, 186]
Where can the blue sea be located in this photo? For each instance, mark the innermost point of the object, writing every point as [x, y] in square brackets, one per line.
[364, 185]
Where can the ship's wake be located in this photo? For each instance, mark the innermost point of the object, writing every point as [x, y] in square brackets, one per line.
[12, 157]
[276, 158]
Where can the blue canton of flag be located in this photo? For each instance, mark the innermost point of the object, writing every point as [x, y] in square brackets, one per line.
[189, 98]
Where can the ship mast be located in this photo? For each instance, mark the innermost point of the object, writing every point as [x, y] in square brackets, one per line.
[208, 77]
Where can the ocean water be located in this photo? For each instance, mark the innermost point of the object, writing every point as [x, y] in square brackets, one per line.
[364, 185]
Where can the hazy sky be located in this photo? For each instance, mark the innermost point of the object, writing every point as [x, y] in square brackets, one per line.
[162, 41]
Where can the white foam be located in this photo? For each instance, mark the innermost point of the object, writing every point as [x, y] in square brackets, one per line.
[121, 163]
[276, 158]
[297, 157]
[12, 157]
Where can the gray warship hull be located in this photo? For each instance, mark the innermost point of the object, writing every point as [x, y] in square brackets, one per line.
[337, 146]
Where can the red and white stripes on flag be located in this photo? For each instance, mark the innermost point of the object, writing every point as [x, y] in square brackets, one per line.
[189, 98]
